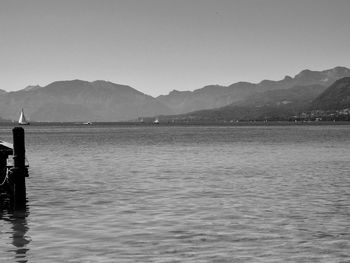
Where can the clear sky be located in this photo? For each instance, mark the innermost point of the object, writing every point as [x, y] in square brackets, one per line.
[156, 46]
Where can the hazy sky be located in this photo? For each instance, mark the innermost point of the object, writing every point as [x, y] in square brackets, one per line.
[156, 46]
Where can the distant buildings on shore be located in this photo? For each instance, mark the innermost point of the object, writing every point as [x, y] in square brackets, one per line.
[323, 115]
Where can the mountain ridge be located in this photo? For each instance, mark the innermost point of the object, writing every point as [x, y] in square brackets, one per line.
[79, 100]
[100, 100]
[215, 96]
[303, 103]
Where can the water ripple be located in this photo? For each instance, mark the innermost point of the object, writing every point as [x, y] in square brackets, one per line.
[183, 194]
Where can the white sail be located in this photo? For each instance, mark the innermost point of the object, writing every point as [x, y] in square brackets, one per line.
[22, 119]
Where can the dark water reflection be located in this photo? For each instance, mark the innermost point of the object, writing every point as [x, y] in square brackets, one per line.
[17, 220]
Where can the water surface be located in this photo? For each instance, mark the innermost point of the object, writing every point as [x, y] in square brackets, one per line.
[109, 193]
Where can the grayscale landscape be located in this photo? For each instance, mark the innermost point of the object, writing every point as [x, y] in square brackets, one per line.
[174, 131]
[103, 101]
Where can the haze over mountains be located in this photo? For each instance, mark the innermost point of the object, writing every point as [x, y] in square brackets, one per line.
[81, 101]
[335, 97]
[215, 96]
[78, 100]
[296, 103]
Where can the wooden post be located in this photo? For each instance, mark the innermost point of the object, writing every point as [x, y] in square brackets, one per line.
[19, 171]
[18, 147]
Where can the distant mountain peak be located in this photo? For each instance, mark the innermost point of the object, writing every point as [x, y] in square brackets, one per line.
[338, 72]
[174, 92]
[32, 87]
[304, 73]
[333, 71]
[100, 81]
[104, 83]
[340, 69]
[68, 82]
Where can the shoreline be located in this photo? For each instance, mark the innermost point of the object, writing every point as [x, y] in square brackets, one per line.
[164, 123]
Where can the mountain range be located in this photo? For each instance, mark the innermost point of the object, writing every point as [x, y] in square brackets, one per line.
[216, 96]
[79, 100]
[300, 102]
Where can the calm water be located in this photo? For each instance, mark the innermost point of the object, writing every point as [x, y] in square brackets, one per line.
[182, 194]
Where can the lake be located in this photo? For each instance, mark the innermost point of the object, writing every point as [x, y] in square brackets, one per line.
[119, 193]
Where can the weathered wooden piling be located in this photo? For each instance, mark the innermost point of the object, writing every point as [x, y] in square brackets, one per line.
[19, 171]
[13, 174]
[19, 150]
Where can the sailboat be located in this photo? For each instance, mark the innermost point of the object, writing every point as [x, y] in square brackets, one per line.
[22, 119]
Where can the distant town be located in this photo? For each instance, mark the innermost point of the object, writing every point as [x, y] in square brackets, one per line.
[323, 115]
